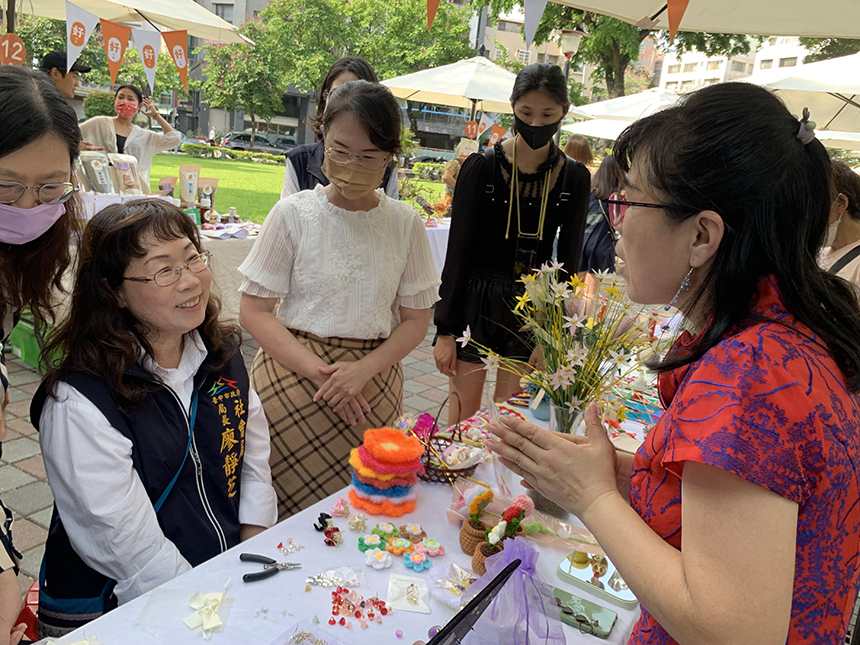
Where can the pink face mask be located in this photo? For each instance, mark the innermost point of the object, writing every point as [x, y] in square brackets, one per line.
[22, 225]
[125, 109]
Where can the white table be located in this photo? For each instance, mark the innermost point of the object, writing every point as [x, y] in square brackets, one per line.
[438, 237]
[285, 590]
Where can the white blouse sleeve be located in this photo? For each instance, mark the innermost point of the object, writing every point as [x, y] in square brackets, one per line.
[291, 181]
[417, 289]
[106, 512]
[258, 504]
[166, 141]
[269, 265]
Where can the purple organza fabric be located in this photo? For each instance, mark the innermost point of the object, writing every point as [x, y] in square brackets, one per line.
[524, 611]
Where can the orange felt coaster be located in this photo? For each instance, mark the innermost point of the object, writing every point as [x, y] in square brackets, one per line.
[384, 508]
[392, 446]
[364, 471]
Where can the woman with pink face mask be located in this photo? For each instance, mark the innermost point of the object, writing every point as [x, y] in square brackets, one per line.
[351, 271]
[120, 134]
[39, 140]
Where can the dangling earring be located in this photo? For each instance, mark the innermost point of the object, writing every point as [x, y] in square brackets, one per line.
[685, 286]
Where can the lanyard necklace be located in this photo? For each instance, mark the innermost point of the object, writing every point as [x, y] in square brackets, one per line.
[515, 188]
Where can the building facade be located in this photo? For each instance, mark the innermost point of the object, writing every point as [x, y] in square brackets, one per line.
[696, 69]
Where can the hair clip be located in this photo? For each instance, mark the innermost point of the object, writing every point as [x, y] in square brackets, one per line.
[324, 522]
[358, 522]
[333, 537]
[341, 508]
[806, 133]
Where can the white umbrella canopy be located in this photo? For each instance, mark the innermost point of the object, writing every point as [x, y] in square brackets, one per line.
[823, 19]
[470, 83]
[829, 88]
[631, 107]
[171, 14]
[835, 139]
[598, 128]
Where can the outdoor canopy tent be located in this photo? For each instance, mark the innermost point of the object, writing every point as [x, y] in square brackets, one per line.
[822, 19]
[170, 14]
[630, 107]
[474, 83]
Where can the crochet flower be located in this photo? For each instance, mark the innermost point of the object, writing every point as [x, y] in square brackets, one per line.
[467, 496]
[386, 531]
[524, 502]
[497, 533]
[392, 446]
[399, 546]
[477, 505]
[430, 547]
[417, 561]
[513, 516]
[413, 532]
[370, 542]
[378, 559]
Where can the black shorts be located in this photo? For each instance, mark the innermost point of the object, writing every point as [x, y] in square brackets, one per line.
[487, 308]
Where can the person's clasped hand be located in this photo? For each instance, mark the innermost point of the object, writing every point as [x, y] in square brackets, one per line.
[574, 472]
[342, 388]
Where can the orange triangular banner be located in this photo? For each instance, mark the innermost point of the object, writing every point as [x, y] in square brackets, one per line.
[177, 45]
[676, 12]
[116, 40]
[432, 8]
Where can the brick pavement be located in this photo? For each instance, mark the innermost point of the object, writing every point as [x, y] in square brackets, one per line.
[23, 483]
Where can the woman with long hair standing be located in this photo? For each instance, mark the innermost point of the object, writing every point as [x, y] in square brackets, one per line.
[509, 204]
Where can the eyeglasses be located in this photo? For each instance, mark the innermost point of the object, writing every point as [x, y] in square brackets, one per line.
[618, 207]
[171, 275]
[339, 155]
[11, 191]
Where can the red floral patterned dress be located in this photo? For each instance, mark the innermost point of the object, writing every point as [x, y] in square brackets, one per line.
[770, 405]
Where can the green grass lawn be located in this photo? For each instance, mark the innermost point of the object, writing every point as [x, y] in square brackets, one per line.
[253, 188]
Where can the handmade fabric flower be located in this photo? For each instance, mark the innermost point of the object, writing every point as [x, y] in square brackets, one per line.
[392, 446]
[369, 542]
[399, 546]
[378, 559]
[524, 502]
[332, 537]
[430, 547]
[358, 522]
[386, 530]
[497, 533]
[417, 561]
[413, 532]
[477, 505]
[341, 508]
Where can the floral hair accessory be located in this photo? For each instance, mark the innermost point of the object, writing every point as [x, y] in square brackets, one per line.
[341, 508]
[392, 446]
[478, 504]
[399, 546]
[370, 542]
[358, 522]
[333, 537]
[497, 533]
[524, 502]
[413, 532]
[430, 547]
[417, 561]
[378, 559]
[386, 530]
[324, 522]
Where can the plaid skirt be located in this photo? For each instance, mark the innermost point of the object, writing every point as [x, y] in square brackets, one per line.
[310, 442]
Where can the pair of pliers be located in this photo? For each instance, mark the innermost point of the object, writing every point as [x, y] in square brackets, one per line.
[270, 566]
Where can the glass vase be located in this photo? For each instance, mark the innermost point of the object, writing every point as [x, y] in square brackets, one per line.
[560, 420]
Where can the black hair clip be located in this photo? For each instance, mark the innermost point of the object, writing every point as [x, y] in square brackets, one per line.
[324, 522]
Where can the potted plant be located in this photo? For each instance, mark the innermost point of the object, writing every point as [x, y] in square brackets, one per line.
[493, 543]
[473, 530]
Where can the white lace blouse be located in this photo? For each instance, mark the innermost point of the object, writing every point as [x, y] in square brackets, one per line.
[340, 273]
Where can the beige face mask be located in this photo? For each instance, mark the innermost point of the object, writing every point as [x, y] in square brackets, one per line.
[353, 181]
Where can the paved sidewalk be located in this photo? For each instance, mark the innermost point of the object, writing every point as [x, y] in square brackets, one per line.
[23, 482]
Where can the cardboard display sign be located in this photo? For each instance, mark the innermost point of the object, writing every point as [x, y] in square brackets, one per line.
[472, 129]
[12, 51]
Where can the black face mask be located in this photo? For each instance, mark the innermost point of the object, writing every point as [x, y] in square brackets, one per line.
[536, 137]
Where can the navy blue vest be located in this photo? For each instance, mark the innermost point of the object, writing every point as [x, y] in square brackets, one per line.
[201, 513]
[307, 159]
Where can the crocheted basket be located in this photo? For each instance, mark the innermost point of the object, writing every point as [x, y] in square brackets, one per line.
[482, 552]
[433, 473]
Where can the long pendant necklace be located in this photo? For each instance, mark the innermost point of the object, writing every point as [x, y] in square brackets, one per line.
[515, 190]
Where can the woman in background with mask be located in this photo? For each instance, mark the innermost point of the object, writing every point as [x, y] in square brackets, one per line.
[118, 134]
[841, 252]
[39, 140]
[351, 271]
[509, 204]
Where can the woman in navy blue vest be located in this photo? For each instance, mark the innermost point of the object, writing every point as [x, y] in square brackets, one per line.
[155, 445]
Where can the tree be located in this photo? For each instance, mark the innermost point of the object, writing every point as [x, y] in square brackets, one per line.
[826, 48]
[243, 76]
[613, 44]
[99, 103]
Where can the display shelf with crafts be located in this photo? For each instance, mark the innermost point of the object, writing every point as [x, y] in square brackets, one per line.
[324, 566]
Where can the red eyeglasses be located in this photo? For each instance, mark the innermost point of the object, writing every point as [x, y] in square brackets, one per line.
[618, 207]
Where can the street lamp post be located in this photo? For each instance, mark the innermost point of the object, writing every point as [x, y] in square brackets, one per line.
[570, 39]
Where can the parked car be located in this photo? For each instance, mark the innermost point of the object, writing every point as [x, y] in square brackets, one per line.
[183, 138]
[425, 159]
[204, 141]
[285, 142]
[242, 141]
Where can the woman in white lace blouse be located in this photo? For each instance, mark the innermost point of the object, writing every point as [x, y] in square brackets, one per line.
[352, 274]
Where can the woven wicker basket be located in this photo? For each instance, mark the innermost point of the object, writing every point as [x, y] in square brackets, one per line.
[433, 473]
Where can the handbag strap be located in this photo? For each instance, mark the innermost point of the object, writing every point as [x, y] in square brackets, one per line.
[842, 262]
[192, 417]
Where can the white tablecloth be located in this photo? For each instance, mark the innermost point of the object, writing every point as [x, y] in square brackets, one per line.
[284, 597]
[438, 236]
